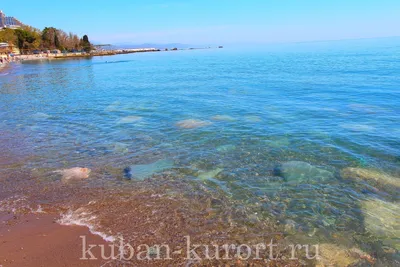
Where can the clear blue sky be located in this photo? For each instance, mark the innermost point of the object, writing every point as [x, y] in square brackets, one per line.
[213, 21]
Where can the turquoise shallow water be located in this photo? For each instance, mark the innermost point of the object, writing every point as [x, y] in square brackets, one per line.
[330, 106]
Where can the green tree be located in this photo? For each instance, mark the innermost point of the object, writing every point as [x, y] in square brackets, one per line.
[35, 34]
[56, 41]
[25, 39]
[8, 36]
[49, 37]
[85, 39]
[86, 44]
[29, 38]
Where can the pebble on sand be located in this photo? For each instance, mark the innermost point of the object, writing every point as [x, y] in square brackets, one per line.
[76, 173]
[192, 123]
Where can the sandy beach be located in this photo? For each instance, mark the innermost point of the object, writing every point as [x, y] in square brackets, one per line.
[33, 240]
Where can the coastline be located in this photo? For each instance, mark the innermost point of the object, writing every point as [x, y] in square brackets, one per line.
[4, 66]
[33, 240]
[94, 54]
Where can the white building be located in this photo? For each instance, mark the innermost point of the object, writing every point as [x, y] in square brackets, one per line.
[2, 19]
[9, 22]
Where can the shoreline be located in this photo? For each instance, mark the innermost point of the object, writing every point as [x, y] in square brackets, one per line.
[33, 240]
[78, 55]
[4, 66]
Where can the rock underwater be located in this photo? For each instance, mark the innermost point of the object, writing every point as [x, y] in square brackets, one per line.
[120, 148]
[376, 178]
[334, 255]
[130, 119]
[226, 148]
[73, 174]
[223, 118]
[192, 123]
[143, 171]
[298, 172]
[382, 220]
[209, 174]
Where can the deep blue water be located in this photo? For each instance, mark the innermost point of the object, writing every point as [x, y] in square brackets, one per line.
[331, 105]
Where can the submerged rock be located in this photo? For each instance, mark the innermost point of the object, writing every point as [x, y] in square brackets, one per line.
[130, 119]
[382, 220]
[192, 123]
[41, 115]
[72, 174]
[143, 171]
[253, 118]
[278, 142]
[226, 148]
[120, 148]
[298, 171]
[376, 178]
[357, 127]
[113, 107]
[339, 256]
[290, 227]
[209, 174]
[367, 108]
[223, 118]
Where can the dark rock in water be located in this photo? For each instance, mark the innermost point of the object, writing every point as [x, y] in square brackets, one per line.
[128, 173]
[298, 171]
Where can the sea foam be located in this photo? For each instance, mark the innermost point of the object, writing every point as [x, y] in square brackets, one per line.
[81, 217]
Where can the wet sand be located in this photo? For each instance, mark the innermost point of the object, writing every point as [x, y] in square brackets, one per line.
[33, 240]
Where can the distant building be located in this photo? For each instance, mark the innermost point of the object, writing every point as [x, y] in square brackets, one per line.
[2, 19]
[12, 22]
[9, 22]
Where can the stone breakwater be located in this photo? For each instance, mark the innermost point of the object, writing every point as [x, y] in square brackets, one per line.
[92, 54]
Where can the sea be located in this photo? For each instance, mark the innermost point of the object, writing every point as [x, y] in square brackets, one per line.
[297, 141]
